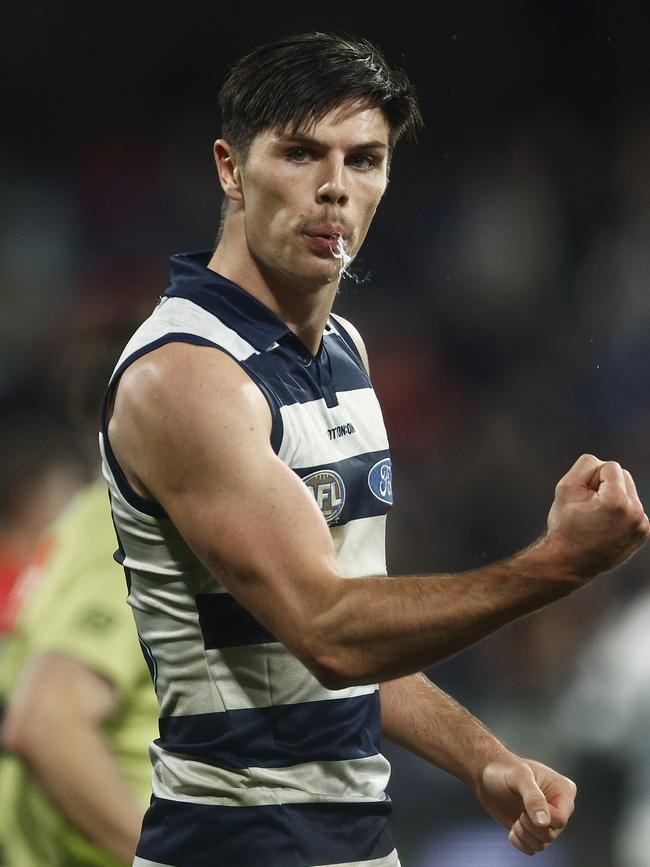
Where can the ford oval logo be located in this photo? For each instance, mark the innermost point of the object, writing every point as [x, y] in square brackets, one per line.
[329, 492]
[380, 481]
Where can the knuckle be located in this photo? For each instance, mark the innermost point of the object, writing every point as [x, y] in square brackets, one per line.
[643, 530]
[561, 487]
[617, 504]
[637, 515]
[639, 524]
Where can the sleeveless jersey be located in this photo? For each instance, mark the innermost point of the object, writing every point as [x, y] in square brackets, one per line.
[258, 764]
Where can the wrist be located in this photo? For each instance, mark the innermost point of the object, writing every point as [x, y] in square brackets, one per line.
[484, 751]
[549, 560]
[494, 758]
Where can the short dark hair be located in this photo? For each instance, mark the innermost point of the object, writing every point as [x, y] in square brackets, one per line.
[293, 83]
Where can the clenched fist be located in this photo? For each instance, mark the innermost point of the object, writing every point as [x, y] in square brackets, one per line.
[597, 520]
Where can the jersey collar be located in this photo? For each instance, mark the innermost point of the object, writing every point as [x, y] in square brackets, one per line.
[235, 307]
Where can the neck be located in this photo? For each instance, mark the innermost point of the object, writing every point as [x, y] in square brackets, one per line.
[304, 309]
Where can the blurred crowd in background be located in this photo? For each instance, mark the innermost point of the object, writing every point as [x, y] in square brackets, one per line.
[504, 297]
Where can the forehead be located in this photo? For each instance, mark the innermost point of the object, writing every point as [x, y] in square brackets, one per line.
[348, 125]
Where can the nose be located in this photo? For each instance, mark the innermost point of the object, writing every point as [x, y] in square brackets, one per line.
[332, 189]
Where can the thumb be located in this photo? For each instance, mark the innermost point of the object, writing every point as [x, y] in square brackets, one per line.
[535, 804]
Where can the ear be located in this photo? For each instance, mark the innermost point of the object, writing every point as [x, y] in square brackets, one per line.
[229, 176]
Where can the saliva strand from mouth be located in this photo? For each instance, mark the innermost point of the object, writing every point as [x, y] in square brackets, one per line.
[337, 246]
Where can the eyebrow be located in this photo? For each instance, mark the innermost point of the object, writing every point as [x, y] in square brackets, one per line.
[302, 138]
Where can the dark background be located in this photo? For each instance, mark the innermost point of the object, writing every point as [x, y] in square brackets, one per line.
[503, 294]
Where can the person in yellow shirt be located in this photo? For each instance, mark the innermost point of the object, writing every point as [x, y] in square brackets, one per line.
[75, 776]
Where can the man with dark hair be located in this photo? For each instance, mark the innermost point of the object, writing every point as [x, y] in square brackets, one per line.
[250, 487]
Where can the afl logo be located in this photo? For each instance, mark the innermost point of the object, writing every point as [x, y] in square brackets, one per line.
[329, 492]
[380, 481]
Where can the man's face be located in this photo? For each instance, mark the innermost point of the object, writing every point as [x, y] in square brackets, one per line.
[305, 195]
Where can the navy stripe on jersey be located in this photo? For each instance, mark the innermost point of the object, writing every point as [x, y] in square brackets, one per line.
[226, 623]
[311, 378]
[288, 835]
[278, 736]
[360, 502]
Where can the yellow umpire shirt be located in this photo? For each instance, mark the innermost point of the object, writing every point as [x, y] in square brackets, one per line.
[77, 607]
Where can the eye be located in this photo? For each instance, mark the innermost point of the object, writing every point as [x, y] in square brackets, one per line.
[298, 154]
[362, 161]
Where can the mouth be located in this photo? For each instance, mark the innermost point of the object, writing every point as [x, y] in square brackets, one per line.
[331, 232]
[326, 238]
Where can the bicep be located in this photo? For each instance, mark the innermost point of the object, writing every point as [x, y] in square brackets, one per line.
[247, 516]
[258, 529]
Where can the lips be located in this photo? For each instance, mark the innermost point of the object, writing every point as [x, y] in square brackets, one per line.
[321, 244]
[330, 233]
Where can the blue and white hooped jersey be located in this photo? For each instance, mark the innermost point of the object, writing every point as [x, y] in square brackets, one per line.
[257, 764]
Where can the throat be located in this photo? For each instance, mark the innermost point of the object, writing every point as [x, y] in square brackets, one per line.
[304, 308]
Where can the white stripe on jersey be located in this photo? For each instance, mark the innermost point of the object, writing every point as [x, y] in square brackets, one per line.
[357, 547]
[268, 675]
[173, 315]
[313, 782]
[389, 861]
[192, 680]
[306, 442]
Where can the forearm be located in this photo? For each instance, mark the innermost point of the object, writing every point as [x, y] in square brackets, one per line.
[54, 724]
[379, 629]
[277, 558]
[533, 801]
[417, 715]
[78, 772]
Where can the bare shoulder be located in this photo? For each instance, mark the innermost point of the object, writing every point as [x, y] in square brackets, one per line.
[181, 378]
[181, 407]
[353, 331]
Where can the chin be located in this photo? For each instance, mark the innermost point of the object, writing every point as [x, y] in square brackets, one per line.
[329, 275]
[323, 272]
